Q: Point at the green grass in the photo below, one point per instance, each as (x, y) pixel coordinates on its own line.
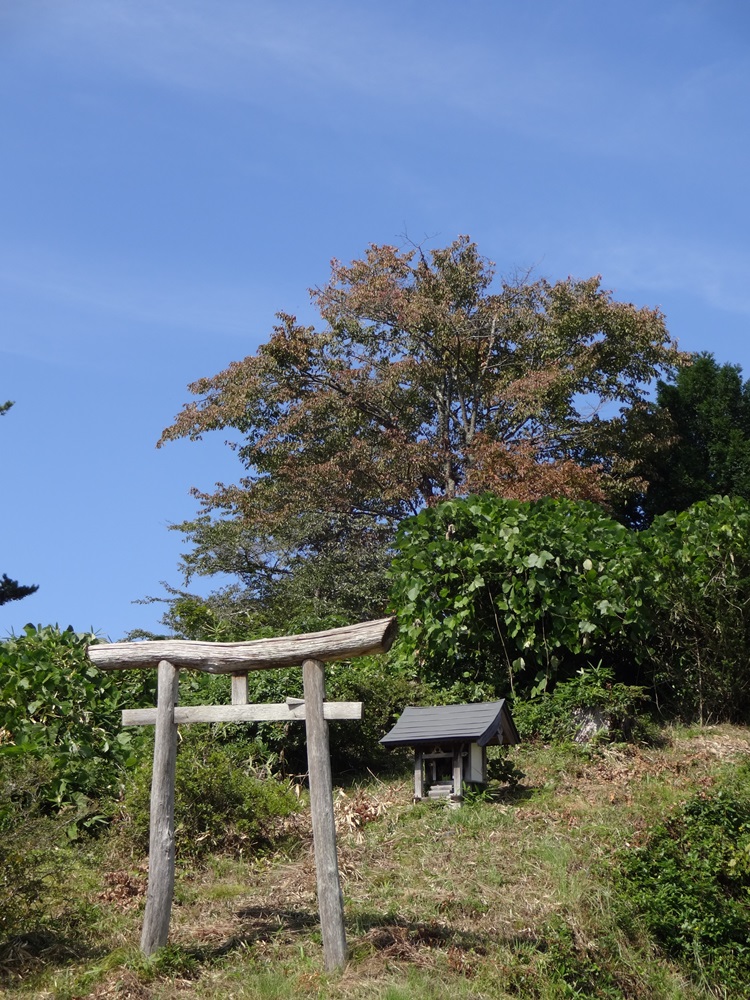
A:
(504, 898)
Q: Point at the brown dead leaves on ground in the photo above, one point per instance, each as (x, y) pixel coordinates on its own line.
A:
(616, 770)
(355, 810)
(124, 889)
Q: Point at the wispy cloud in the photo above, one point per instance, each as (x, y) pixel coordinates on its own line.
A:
(717, 274)
(115, 289)
(660, 265)
(343, 61)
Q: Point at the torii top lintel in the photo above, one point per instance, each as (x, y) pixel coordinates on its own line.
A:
(258, 654)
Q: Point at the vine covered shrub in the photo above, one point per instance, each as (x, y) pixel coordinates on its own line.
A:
(56, 704)
(500, 596)
(690, 885)
(697, 616)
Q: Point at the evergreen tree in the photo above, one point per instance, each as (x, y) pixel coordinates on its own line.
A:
(708, 411)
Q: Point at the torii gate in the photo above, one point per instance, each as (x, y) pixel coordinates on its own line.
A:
(310, 651)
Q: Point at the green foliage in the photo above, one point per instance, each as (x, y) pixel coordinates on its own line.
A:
(512, 595)
(229, 615)
(697, 615)
(501, 597)
(426, 379)
(373, 680)
(557, 716)
(29, 871)
(384, 692)
(708, 407)
(221, 802)
(354, 744)
(501, 768)
(690, 884)
(345, 580)
(56, 704)
(574, 971)
(170, 962)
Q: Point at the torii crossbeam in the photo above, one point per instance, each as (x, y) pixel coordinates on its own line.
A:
(310, 651)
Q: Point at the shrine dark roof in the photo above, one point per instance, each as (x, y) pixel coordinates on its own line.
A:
(485, 723)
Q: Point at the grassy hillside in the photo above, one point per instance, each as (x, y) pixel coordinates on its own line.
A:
(510, 896)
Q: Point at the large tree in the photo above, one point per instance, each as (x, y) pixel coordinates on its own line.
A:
(427, 379)
(12, 590)
(706, 410)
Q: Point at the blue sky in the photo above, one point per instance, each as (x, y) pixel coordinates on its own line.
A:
(176, 172)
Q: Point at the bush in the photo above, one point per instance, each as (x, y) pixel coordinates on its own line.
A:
(221, 804)
(29, 873)
(558, 716)
(507, 596)
(498, 597)
(690, 885)
(354, 744)
(384, 693)
(697, 615)
(57, 705)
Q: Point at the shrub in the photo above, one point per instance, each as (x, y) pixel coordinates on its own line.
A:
(512, 595)
(501, 597)
(221, 804)
(690, 885)
(384, 693)
(697, 615)
(57, 705)
(29, 873)
(558, 716)
(383, 690)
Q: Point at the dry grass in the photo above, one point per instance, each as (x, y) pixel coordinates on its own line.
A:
(440, 903)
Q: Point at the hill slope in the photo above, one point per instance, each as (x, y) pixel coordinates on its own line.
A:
(509, 896)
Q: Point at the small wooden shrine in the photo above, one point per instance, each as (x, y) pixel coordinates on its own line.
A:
(450, 745)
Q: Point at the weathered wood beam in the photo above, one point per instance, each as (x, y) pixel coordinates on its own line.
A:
(239, 689)
(259, 654)
(458, 775)
(418, 775)
(243, 713)
(161, 853)
(330, 900)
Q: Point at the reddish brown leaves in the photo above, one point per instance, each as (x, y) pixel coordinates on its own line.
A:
(426, 381)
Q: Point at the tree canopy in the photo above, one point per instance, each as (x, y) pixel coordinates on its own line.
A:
(428, 379)
(707, 411)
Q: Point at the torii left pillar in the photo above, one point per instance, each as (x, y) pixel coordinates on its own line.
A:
(161, 850)
(311, 651)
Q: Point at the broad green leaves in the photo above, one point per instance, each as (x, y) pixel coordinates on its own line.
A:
(518, 595)
(699, 607)
(512, 590)
(54, 703)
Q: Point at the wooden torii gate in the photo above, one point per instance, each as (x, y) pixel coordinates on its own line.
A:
(311, 651)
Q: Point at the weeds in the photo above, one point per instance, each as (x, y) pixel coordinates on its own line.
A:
(689, 882)
(504, 898)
